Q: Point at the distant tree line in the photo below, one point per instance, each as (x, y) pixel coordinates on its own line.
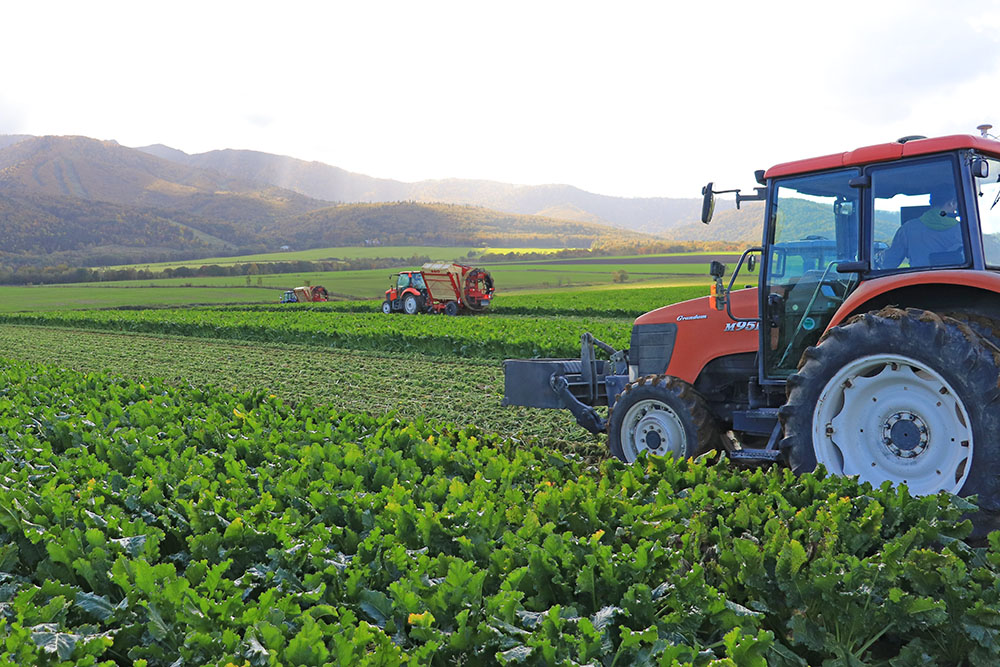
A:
(605, 248)
(64, 273)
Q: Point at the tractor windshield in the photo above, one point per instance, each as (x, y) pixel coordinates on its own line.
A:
(988, 194)
(814, 225)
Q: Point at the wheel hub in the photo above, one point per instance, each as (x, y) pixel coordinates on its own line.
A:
(905, 435)
(653, 439)
(652, 426)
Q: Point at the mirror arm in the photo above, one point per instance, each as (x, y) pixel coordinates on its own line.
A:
(760, 194)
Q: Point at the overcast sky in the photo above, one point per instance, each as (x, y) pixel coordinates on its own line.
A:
(620, 98)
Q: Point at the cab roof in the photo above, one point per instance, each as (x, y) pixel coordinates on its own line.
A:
(886, 152)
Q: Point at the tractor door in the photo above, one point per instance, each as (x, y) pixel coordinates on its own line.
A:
(813, 224)
(918, 221)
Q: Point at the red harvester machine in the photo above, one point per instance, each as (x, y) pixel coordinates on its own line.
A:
(314, 293)
(439, 287)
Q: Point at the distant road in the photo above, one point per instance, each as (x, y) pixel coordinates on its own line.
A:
(652, 259)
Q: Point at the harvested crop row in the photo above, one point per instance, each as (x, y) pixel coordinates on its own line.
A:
(145, 522)
(487, 338)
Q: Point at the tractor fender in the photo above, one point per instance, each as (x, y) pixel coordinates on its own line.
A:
(949, 289)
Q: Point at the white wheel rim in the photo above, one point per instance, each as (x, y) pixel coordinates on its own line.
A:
(887, 417)
(410, 305)
(386, 308)
(652, 426)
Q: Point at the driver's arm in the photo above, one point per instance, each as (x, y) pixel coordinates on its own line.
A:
(897, 251)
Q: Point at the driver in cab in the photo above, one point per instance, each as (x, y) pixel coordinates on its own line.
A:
(933, 238)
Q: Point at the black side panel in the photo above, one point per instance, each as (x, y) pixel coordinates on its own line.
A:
(651, 347)
(725, 383)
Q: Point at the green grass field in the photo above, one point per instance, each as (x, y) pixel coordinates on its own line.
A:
(369, 284)
(110, 295)
(436, 253)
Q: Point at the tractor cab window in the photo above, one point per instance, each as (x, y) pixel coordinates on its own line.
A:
(814, 226)
(916, 216)
(404, 281)
(418, 281)
(988, 195)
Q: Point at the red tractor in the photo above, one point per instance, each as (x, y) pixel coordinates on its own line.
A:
(871, 343)
(442, 287)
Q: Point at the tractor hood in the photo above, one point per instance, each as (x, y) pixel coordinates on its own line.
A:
(680, 339)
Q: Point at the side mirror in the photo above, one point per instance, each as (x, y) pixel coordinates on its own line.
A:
(980, 168)
(707, 203)
(752, 263)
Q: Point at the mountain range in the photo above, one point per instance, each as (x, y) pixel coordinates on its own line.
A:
(82, 200)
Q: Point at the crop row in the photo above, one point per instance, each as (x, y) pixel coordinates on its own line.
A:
(462, 391)
(626, 303)
(147, 524)
(490, 338)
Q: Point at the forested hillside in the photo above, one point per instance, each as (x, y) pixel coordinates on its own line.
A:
(105, 171)
(653, 215)
(407, 223)
(84, 202)
(744, 225)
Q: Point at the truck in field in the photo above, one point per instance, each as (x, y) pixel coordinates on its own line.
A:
(439, 287)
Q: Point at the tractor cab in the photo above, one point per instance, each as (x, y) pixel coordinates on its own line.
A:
(405, 280)
(899, 211)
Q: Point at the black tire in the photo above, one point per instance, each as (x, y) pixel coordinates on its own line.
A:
(924, 387)
(412, 305)
(667, 413)
(387, 307)
(451, 308)
(986, 325)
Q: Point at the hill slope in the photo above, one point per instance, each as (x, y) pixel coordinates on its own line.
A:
(407, 223)
(106, 171)
(652, 215)
(745, 225)
(80, 201)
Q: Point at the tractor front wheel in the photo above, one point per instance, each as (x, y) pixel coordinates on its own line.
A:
(904, 396)
(412, 305)
(662, 415)
(386, 307)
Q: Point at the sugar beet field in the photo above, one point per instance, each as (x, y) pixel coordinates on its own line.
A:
(316, 486)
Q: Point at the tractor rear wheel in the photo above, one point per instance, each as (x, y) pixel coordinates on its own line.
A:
(904, 396)
(387, 307)
(662, 415)
(412, 305)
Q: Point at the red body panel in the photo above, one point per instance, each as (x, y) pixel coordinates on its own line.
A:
(884, 153)
(704, 333)
(868, 290)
